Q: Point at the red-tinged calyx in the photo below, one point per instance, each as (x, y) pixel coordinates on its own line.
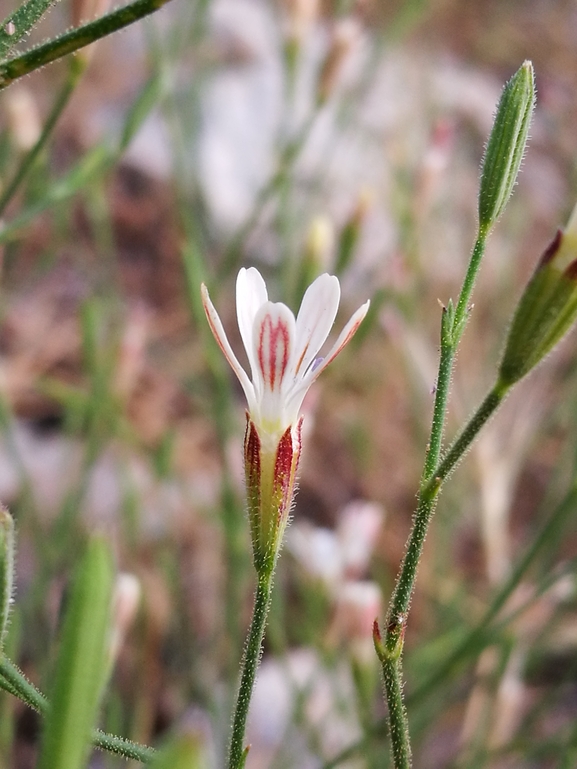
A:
(547, 308)
(378, 641)
(270, 473)
(551, 250)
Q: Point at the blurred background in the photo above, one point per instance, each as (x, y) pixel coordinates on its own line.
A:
(299, 137)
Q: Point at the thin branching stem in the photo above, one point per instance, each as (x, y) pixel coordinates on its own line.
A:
(18, 66)
(435, 471)
(14, 681)
(27, 162)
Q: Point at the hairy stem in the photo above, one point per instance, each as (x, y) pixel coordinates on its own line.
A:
(405, 585)
(14, 681)
(398, 724)
(18, 66)
(237, 754)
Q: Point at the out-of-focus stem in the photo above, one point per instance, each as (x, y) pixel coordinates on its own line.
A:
(74, 73)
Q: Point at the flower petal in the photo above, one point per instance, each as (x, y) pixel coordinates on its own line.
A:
(315, 320)
(273, 335)
(217, 329)
(297, 395)
(251, 294)
(344, 338)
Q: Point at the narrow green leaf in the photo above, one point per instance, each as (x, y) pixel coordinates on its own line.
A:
(145, 102)
(19, 23)
(6, 570)
(81, 664)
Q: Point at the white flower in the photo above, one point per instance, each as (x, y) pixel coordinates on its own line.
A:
(282, 350)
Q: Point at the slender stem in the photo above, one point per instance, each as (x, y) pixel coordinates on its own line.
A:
(18, 682)
(95, 163)
(18, 66)
(462, 309)
(19, 23)
(398, 724)
(405, 585)
(74, 73)
(482, 629)
(452, 326)
(481, 634)
(460, 445)
(425, 507)
(250, 662)
(15, 682)
(441, 395)
(120, 746)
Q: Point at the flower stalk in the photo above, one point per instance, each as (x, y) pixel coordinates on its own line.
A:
(238, 752)
(501, 165)
(283, 356)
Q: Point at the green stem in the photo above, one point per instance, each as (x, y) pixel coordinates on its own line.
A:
(441, 395)
(15, 682)
(482, 630)
(398, 724)
(74, 73)
(250, 662)
(18, 66)
(462, 309)
(479, 636)
(405, 585)
(460, 445)
(19, 23)
(434, 474)
(425, 507)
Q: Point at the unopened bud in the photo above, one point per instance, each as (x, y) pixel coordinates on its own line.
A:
(506, 145)
(83, 11)
(87, 10)
(345, 35)
(318, 252)
(357, 603)
(301, 15)
(23, 117)
(320, 242)
(125, 600)
(6, 570)
(351, 231)
(547, 309)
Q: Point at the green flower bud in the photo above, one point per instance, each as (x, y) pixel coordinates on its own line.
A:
(6, 569)
(506, 145)
(547, 309)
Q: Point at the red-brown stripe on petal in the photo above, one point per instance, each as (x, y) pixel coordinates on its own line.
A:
(302, 357)
(273, 350)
